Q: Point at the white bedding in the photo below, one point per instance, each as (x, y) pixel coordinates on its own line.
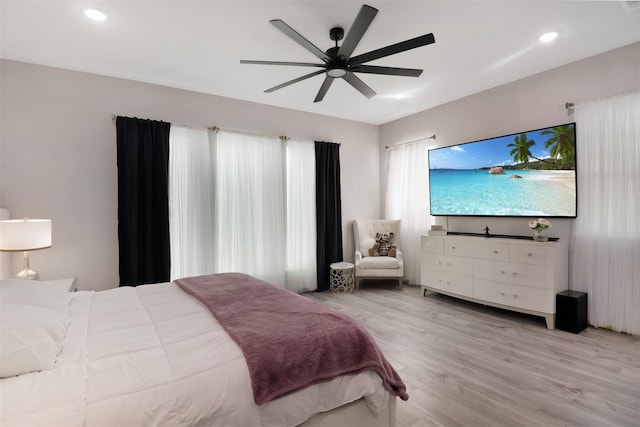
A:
(154, 356)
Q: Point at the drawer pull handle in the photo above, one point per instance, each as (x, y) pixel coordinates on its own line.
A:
(530, 255)
(496, 252)
(502, 293)
(453, 247)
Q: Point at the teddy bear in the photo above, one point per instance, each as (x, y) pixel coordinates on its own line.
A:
(384, 245)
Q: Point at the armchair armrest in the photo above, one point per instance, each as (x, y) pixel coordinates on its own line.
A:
(399, 256)
(358, 257)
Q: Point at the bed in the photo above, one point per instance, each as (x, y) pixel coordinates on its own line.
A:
(158, 355)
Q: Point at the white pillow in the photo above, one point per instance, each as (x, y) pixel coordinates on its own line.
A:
(35, 293)
(30, 338)
(366, 244)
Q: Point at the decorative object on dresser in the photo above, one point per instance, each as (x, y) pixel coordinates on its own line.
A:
(437, 230)
(540, 228)
(512, 274)
(376, 267)
(24, 235)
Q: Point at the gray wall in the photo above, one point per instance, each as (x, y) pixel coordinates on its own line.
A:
(58, 153)
(530, 103)
(58, 157)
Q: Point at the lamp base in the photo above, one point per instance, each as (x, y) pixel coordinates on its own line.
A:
(28, 275)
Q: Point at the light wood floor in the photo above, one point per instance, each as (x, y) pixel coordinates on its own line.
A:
(469, 365)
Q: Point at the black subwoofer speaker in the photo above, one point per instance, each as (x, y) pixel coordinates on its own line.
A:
(571, 311)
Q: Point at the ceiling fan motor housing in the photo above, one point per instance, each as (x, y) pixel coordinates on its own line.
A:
(336, 67)
(336, 33)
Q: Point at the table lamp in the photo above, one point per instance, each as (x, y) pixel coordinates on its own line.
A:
(24, 235)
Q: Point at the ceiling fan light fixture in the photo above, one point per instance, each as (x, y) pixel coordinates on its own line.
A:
(336, 72)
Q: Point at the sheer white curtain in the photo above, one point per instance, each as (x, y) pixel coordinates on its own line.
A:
(606, 246)
(190, 202)
(407, 198)
(249, 200)
(242, 203)
(301, 216)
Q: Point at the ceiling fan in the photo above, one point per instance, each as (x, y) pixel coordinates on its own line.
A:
(337, 61)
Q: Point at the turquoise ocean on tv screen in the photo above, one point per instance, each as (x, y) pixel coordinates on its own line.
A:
(476, 192)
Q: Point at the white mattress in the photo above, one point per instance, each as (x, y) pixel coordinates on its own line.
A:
(154, 356)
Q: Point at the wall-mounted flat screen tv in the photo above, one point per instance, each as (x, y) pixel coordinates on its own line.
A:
(528, 174)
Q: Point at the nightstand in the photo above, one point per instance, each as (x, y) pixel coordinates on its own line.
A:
(69, 285)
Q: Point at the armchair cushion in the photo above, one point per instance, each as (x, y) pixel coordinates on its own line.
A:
(379, 262)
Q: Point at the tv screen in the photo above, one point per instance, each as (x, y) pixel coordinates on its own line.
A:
(529, 174)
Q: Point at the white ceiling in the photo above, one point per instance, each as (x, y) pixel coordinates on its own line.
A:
(197, 45)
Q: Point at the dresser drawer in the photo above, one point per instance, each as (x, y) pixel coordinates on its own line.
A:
(536, 299)
(538, 253)
(432, 244)
(477, 248)
(539, 276)
(449, 264)
(461, 285)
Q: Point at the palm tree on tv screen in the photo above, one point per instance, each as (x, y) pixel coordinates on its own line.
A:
(563, 144)
(520, 151)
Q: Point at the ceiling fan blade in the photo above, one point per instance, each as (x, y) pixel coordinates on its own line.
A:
(361, 86)
(295, 36)
(393, 49)
(290, 82)
(357, 30)
(297, 64)
(326, 84)
(391, 71)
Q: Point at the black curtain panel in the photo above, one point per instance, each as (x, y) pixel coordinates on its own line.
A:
(328, 210)
(143, 201)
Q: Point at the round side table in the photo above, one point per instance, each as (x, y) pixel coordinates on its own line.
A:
(342, 278)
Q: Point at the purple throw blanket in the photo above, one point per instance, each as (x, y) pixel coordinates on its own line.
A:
(288, 341)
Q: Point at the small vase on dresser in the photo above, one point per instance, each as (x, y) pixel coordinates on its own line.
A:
(540, 235)
(540, 228)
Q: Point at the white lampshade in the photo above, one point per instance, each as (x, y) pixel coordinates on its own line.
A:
(25, 234)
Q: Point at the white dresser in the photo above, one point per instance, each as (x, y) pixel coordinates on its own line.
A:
(514, 274)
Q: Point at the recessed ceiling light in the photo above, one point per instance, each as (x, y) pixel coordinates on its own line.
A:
(96, 15)
(547, 37)
(400, 96)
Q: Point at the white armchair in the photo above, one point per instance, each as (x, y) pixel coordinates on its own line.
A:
(376, 267)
